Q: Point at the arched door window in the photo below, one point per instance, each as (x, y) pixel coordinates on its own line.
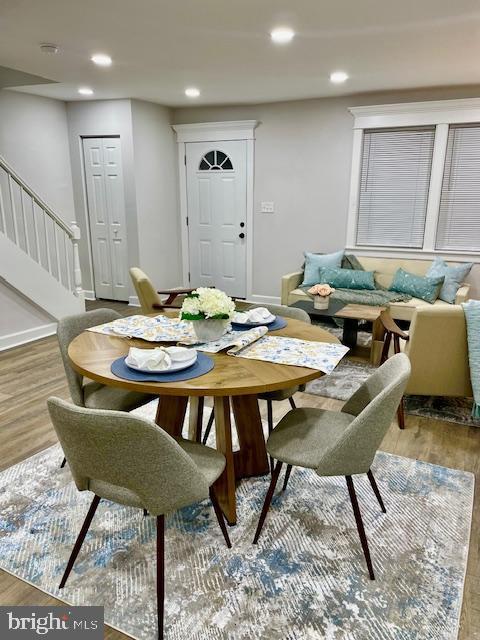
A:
(215, 161)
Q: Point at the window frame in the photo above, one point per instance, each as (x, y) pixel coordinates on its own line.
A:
(440, 114)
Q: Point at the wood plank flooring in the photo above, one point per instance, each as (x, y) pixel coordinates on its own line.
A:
(31, 373)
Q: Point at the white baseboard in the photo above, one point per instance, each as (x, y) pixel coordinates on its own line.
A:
(265, 299)
(133, 301)
(89, 295)
(28, 335)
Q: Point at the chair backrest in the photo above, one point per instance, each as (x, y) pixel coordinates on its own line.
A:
(282, 310)
(147, 296)
(438, 352)
(374, 405)
(69, 328)
(117, 456)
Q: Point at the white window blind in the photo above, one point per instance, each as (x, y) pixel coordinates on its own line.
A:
(459, 216)
(394, 185)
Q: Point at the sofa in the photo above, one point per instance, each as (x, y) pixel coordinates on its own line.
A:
(385, 269)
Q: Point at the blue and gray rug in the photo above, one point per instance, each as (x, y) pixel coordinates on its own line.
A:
(305, 580)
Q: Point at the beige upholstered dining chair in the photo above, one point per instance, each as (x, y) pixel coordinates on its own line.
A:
(148, 297)
(91, 394)
(281, 394)
(340, 443)
(133, 462)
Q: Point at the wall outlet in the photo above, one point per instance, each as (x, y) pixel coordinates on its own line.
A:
(266, 207)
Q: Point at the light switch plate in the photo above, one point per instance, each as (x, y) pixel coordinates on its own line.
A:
(266, 207)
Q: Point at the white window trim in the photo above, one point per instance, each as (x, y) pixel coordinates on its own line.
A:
(441, 114)
(215, 132)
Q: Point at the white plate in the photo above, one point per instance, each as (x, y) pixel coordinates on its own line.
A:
(269, 320)
(175, 366)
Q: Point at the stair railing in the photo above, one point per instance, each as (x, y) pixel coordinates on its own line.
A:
(36, 229)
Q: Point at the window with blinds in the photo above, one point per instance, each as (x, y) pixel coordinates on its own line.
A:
(459, 216)
(394, 186)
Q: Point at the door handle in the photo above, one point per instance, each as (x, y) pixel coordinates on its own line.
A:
(241, 235)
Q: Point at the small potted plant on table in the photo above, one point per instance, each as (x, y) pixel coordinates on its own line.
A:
(321, 295)
(210, 311)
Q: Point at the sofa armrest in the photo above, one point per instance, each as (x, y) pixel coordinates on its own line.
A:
(289, 283)
(463, 294)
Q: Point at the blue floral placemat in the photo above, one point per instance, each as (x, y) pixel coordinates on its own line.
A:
(323, 356)
(203, 365)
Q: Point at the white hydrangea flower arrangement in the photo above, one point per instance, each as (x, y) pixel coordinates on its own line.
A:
(207, 304)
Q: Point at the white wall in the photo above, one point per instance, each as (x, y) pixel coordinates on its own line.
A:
(34, 141)
(20, 320)
(155, 161)
(102, 118)
(302, 163)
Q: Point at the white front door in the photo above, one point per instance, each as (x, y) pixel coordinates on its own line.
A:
(217, 214)
(106, 210)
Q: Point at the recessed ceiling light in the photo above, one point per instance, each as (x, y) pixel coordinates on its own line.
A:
(101, 59)
(85, 91)
(337, 77)
(192, 92)
(48, 47)
(282, 35)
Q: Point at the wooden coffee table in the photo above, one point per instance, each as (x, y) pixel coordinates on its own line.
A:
(351, 314)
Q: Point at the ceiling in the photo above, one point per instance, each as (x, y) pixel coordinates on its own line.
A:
(160, 47)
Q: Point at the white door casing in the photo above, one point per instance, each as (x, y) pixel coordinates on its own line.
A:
(106, 212)
(216, 204)
(216, 133)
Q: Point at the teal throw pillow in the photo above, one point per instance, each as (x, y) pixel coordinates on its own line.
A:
(313, 263)
(454, 277)
(347, 278)
(417, 286)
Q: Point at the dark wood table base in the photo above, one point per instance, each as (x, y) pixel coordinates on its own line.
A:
(251, 458)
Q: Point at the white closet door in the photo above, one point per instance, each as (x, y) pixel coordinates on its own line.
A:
(217, 211)
(106, 209)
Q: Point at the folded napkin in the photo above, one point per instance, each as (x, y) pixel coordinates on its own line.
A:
(158, 359)
(252, 316)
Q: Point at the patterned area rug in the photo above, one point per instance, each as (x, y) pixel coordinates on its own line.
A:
(349, 375)
(306, 579)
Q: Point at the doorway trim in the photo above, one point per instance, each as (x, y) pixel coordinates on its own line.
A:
(216, 132)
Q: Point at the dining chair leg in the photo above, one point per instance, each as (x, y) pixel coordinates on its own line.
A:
(64, 462)
(270, 428)
(376, 490)
(292, 403)
(287, 477)
(80, 539)
(209, 427)
(220, 518)
(160, 573)
(401, 415)
(268, 500)
(360, 529)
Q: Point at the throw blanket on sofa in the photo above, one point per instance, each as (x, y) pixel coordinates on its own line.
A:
(472, 316)
(371, 297)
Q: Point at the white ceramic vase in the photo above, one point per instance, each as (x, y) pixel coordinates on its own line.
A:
(321, 302)
(210, 330)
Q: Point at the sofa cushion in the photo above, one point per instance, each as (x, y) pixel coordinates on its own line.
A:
(417, 286)
(313, 262)
(454, 277)
(347, 278)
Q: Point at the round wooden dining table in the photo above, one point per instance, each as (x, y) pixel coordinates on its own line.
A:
(234, 383)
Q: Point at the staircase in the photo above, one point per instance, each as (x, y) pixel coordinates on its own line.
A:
(38, 250)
